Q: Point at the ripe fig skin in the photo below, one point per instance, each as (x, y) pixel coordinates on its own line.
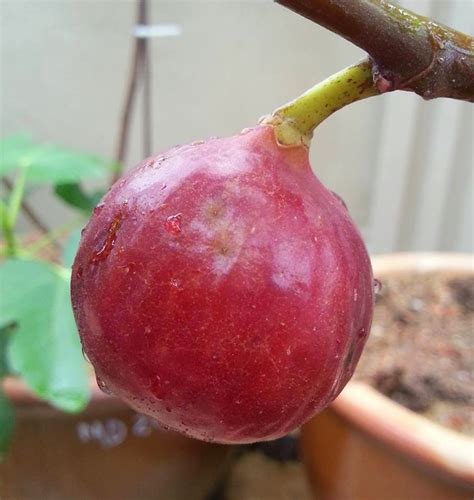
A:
(223, 290)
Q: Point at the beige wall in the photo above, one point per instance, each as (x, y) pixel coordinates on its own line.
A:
(403, 166)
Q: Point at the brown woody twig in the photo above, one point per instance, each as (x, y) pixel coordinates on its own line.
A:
(408, 51)
(138, 61)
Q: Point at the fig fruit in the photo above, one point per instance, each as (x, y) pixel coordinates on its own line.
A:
(223, 290)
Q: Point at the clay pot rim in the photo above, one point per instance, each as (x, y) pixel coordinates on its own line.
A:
(432, 445)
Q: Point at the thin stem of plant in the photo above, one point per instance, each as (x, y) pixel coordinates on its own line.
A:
(133, 80)
(8, 232)
(9, 212)
(295, 122)
(27, 210)
(146, 77)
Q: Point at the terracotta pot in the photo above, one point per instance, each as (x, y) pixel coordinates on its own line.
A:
(106, 452)
(366, 447)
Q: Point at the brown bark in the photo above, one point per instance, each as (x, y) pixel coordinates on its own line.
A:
(408, 51)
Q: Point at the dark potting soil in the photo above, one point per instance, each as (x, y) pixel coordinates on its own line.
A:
(420, 352)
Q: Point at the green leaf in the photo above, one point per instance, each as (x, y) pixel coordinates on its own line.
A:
(70, 248)
(48, 163)
(5, 334)
(6, 411)
(7, 420)
(44, 349)
(74, 195)
(59, 166)
(13, 150)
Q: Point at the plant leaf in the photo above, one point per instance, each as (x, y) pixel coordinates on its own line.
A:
(5, 335)
(44, 349)
(74, 195)
(7, 420)
(48, 163)
(70, 248)
(57, 165)
(13, 150)
(6, 411)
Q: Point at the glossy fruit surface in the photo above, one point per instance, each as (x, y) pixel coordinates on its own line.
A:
(222, 289)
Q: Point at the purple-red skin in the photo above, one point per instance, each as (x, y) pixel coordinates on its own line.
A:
(223, 290)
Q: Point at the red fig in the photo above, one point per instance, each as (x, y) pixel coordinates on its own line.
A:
(222, 289)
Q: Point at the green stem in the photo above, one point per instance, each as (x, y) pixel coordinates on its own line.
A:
(9, 214)
(8, 233)
(16, 196)
(294, 122)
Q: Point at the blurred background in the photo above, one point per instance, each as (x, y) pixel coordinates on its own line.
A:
(403, 166)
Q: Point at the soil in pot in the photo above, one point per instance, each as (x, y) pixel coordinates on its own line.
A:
(421, 346)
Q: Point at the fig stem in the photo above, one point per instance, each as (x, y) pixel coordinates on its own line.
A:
(409, 52)
(295, 122)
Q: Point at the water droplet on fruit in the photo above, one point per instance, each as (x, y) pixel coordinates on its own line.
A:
(130, 268)
(98, 208)
(107, 246)
(377, 287)
(288, 351)
(361, 333)
(338, 341)
(355, 295)
(85, 355)
(83, 230)
(158, 161)
(102, 386)
(175, 283)
(245, 131)
(79, 273)
(173, 224)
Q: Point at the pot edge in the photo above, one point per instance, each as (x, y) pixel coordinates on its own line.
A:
(433, 445)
